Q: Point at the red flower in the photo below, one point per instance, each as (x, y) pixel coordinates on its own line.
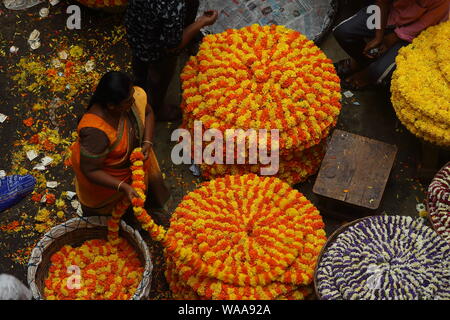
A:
(28, 122)
(50, 198)
(34, 139)
(36, 197)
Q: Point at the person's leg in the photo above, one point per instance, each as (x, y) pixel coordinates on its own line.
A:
(377, 72)
(350, 35)
(160, 74)
(140, 73)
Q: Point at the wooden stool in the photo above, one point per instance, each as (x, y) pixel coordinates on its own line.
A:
(353, 175)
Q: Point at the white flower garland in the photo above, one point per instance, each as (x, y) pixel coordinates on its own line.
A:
(386, 258)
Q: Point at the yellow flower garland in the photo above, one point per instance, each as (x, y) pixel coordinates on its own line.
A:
(243, 237)
(267, 77)
(420, 85)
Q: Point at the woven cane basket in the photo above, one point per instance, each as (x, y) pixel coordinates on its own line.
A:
(74, 232)
(331, 239)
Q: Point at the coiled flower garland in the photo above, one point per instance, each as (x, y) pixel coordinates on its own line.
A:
(420, 90)
(267, 77)
(439, 202)
(243, 237)
(385, 257)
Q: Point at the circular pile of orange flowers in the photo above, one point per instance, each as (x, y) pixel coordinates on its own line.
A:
(243, 237)
(267, 77)
(106, 272)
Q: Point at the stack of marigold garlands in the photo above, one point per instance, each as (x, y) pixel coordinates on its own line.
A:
(243, 237)
(237, 237)
(267, 77)
(420, 85)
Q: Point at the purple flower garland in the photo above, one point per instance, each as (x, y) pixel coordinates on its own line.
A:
(386, 258)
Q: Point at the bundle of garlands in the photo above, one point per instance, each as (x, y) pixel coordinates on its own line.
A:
(420, 85)
(266, 78)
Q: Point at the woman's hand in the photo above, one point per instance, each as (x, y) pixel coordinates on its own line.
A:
(129, 191)
(372, 44)
(208, 18)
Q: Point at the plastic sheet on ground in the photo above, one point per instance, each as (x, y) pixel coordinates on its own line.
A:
(20, 4)
(310, 17)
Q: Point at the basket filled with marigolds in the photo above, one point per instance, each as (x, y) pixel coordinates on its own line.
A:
(420, 85)
(263, 78)
(78, 261)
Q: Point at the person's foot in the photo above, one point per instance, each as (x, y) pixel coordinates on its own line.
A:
(168, 113)
(357, 81)
(346, 67)
(161, 217)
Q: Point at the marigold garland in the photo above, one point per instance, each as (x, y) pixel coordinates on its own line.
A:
(267, 77)
(243, 237)
(420, 90)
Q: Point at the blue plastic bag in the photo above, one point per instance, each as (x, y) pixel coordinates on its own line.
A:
(14, 188)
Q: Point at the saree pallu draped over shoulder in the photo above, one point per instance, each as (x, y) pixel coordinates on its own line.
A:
(96, 198)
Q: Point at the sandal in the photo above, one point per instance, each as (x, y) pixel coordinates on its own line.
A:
(344, 68)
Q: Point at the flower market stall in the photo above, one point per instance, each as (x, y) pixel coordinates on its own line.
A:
(420, 91)
(384, 258)
(438, 202)
(267, 77)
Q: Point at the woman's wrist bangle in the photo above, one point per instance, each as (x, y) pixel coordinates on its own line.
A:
(118, 187)
(148, 141)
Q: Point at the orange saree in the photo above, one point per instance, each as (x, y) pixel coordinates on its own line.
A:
(99, 199)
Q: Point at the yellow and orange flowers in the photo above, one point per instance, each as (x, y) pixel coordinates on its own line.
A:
(420, 85)
(243, 237)
(267, 77)
(157, 232)
(106, 272)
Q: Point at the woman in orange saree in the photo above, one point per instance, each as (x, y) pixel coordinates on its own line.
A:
(117, 120)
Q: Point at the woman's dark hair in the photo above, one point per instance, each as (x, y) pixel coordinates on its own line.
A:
(113, 88)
